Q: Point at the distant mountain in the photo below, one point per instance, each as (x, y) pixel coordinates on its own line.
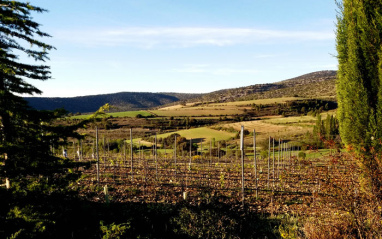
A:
(320, 84)
(123, 100)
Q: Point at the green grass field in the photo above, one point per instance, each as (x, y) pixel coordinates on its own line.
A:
(204, 110)
(119, 114)
(204, 133)
(200, 111)
(290, 120)
(216, 109)
(257, 102)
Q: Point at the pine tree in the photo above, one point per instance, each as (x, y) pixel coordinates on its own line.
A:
(26, 135)
(38, 180)
(17, 30)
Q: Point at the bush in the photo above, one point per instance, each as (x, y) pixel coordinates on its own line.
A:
(301, 155)
(205, 224)
(114, 230)
(264, 154)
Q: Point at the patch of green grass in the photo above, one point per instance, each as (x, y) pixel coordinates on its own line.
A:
(137, 141)
(130, 113)
(202, 133)
(317, 153)
(119, 114)
(290, 120)
(202, 111)
(258, 102)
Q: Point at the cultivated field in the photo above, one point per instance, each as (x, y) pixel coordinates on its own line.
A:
(272, 176)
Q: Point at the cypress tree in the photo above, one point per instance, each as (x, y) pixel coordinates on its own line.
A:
(359, 89)
(358, 81)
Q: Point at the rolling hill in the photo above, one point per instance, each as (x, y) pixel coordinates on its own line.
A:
(124, 101)
(319, 84)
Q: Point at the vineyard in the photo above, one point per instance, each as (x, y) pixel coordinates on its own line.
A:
(282, 180)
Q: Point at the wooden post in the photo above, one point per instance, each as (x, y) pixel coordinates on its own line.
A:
(269, 160)
(156, 157)
(255, 161)
(242, 164)
(284, 155)
(93, 150)
(278, 164)
(131, 154)
(190, 154)
(201, 148)
(139, 151)
(288, 154)
(124, 154)
(97, 153)
(273, 168)
(175, 154)
(210, 153)
(218, 152)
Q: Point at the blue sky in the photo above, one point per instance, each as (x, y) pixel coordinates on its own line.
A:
(190, 46)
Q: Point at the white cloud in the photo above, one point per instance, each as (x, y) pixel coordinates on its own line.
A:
(206, 69)
(148, 37)
(262, 56)
(193, 68)
(325, 66)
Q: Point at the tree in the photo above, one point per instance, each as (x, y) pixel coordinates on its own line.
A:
(318, 132)
(359, 93)
(26, 135)
(359, 89)
(19, 124)
(37, 177)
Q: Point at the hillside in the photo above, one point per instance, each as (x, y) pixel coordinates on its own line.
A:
(319, 84)
(315, 85)
(123, 100)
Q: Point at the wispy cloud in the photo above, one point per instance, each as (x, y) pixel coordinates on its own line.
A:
(207, 69)
(193, 68)
(148, 37)
(262, 56)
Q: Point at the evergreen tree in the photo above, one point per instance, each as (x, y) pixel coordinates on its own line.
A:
(359, 89)
(359, 32)
(26, 135)
(38, 179)
(318, 130)
(22, 129)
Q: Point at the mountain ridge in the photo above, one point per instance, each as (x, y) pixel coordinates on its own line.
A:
(315, 84)
(305, 85)
(122, 101)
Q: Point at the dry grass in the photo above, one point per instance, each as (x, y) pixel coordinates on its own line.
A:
(227, 108)
(257, 102)
(264, 129)
(201, 111)
(203, 133)
(173, 107)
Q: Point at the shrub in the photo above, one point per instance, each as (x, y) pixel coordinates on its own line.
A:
(205, 224)
(301, 155)
(114, 230)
